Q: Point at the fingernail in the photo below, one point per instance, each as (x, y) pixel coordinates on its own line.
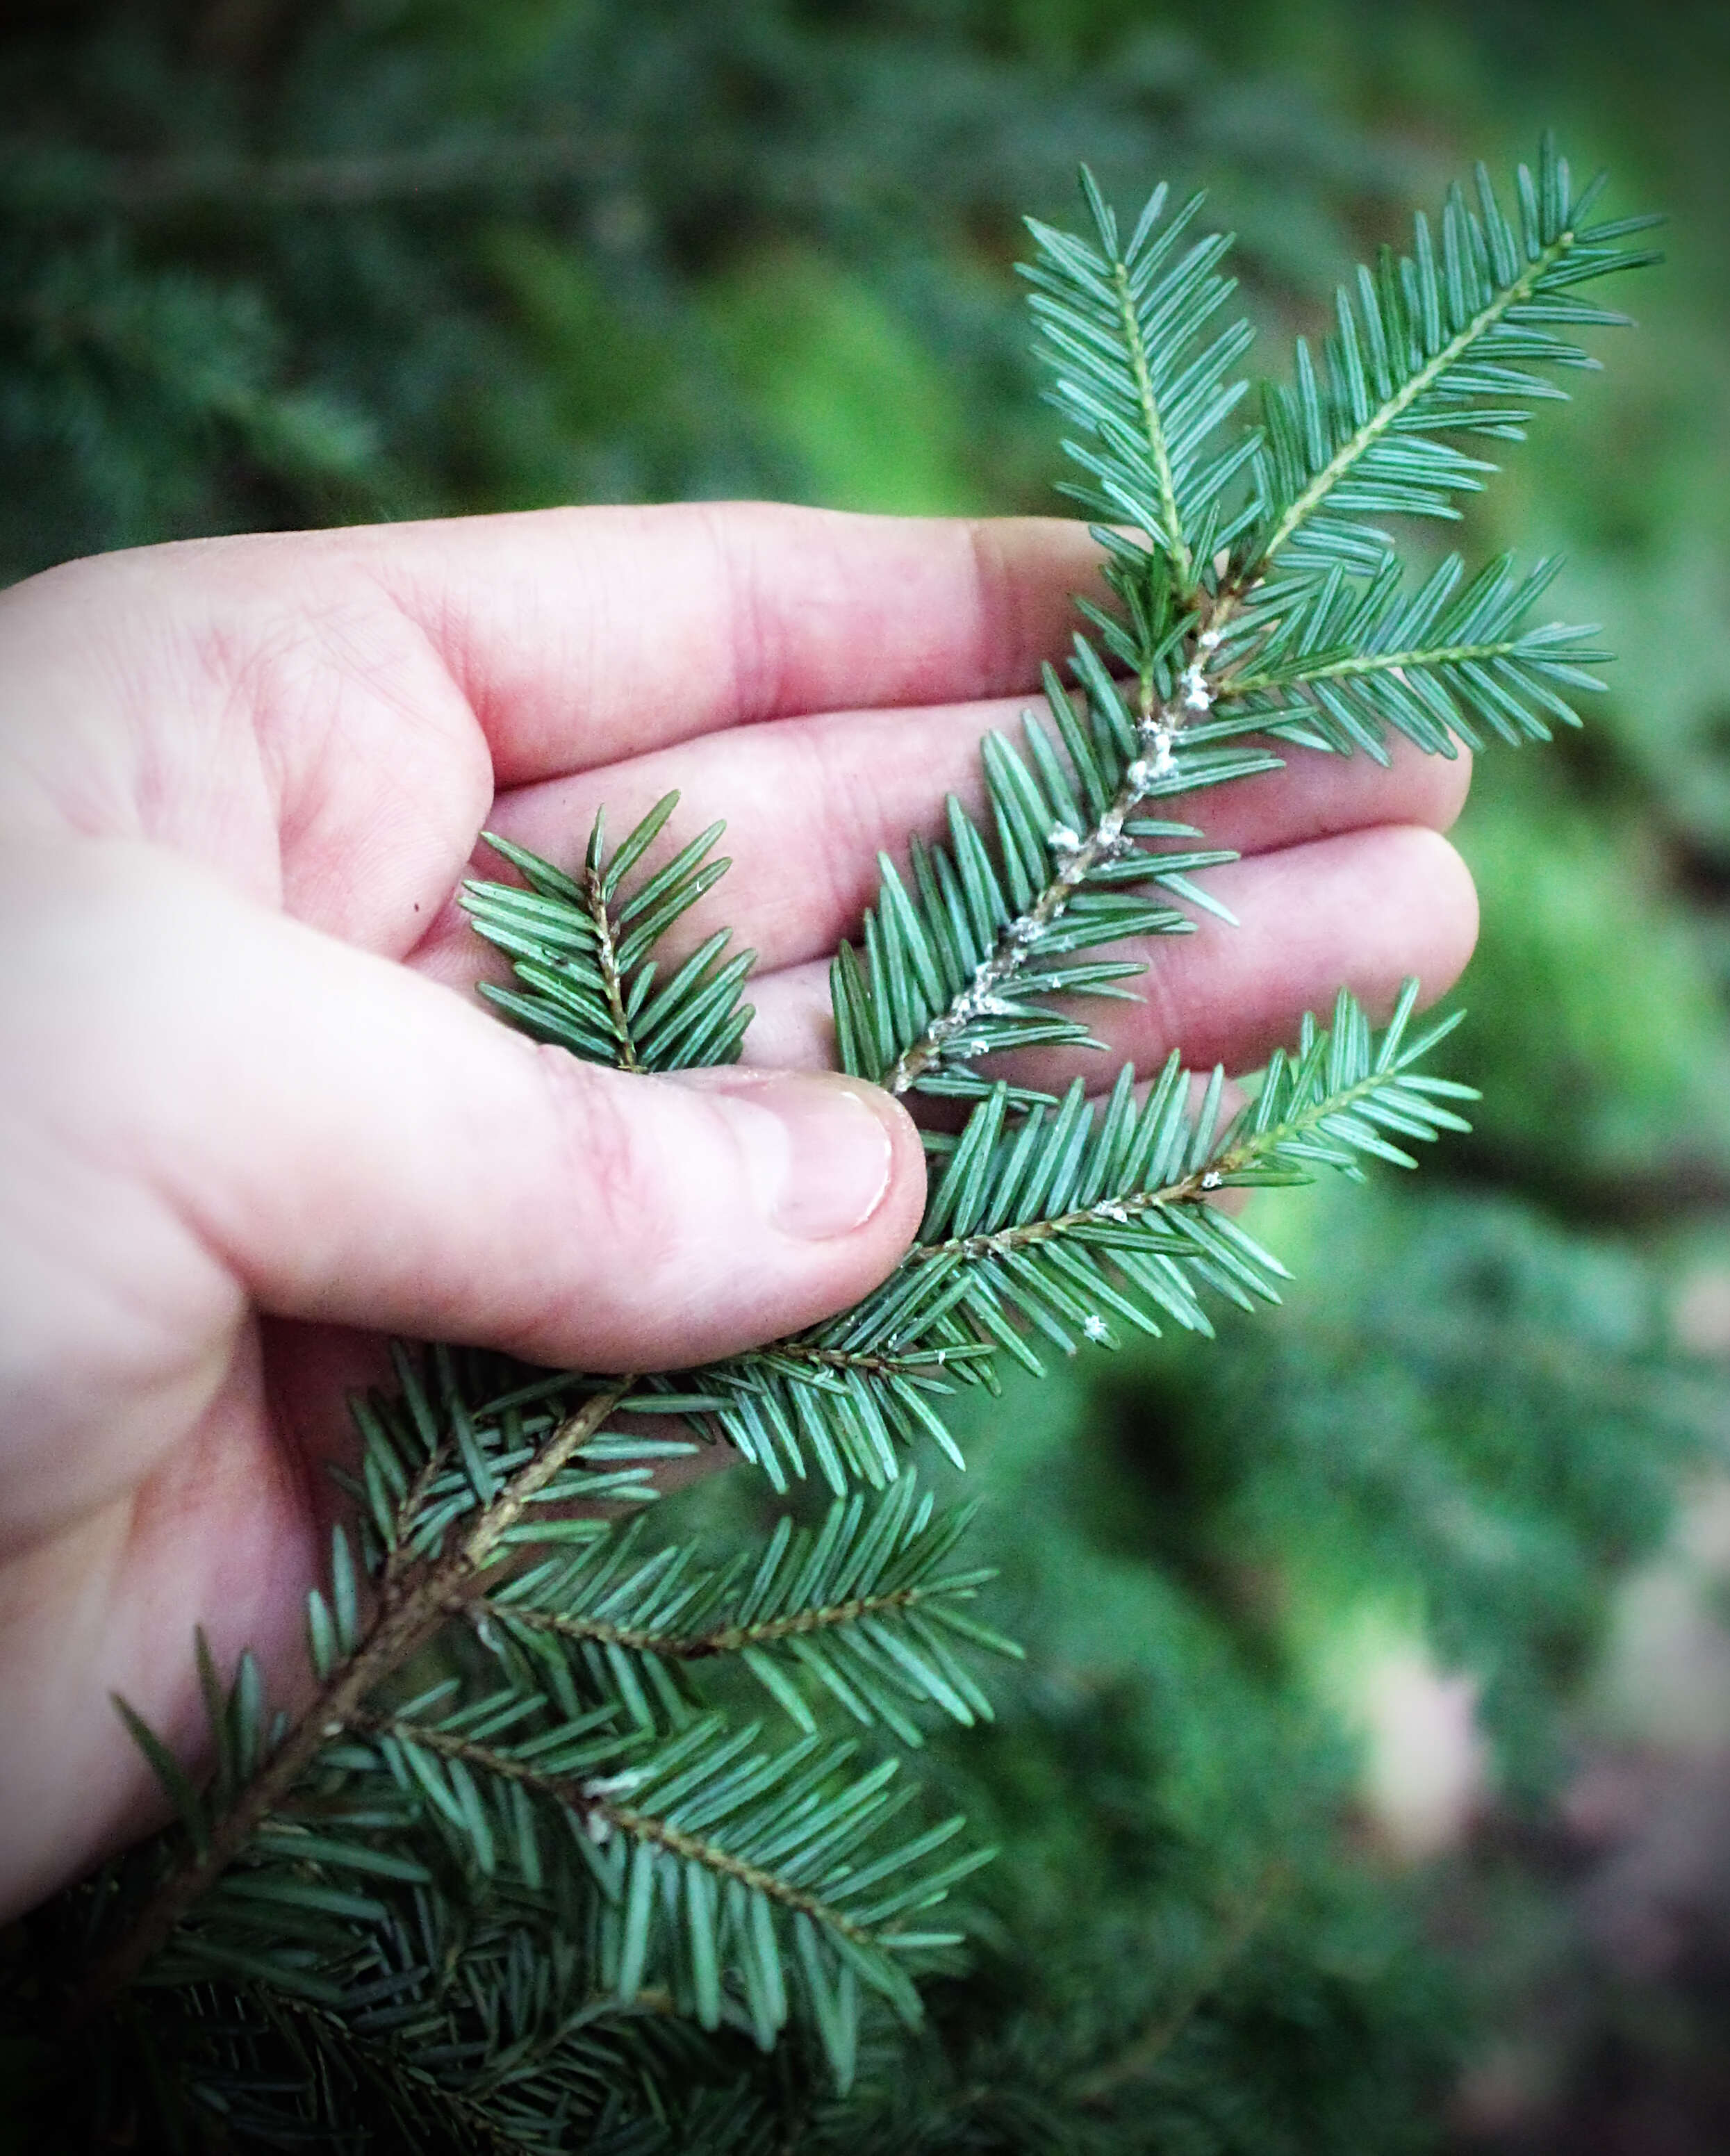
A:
(819, 1151)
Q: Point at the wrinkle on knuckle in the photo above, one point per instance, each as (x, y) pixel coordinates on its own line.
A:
(624, 1214)
(999, 653)
(841, 815)
(856, 810)
(1159, 1018)
(756, 658)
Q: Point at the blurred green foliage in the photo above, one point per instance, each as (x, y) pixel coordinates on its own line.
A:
(1600, 1041)
(273, 262)
(840, 386)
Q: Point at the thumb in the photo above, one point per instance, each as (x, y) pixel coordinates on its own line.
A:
(360, 1145)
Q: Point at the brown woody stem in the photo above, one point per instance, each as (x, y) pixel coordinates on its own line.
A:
(640, 1826)
(410, 1609)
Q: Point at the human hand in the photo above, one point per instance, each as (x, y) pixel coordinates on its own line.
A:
(248, 1128)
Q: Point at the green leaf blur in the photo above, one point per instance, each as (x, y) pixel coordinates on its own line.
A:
(270, 263)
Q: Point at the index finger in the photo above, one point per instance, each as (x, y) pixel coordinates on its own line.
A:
(579, 636)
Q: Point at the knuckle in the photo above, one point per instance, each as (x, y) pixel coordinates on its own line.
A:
(627, 1208)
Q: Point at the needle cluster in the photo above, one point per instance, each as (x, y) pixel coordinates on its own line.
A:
(575, 1808)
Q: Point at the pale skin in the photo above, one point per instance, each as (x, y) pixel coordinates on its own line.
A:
(253, 1117)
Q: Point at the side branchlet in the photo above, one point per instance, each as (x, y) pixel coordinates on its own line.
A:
(514, 1840)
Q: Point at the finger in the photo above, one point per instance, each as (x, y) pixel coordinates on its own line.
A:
(360, 1146)
(580, 635)
(1362, 910)
(809, 804)
(218, 1537)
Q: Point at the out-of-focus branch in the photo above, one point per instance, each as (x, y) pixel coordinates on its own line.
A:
(332, 183)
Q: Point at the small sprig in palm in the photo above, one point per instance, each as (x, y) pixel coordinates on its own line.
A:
(484, 1899)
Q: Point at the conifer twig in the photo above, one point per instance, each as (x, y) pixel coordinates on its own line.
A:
(601, 1813)
(697, 1647)
(409, 1611)
(1386, 419)
(594, 890)
(578, 1840)
(1194, 1188)
(1152, 769)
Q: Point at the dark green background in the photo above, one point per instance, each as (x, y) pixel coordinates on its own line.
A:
(279, 262)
